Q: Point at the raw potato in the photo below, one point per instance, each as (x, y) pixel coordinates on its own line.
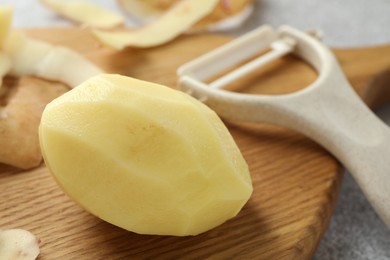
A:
(18, 244)
(167, 27)
(144, 157)
(85, 13)
(21, 107)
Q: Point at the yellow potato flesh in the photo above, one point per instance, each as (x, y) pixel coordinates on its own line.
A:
(144, 157)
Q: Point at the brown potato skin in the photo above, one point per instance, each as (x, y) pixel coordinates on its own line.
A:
(21, 105)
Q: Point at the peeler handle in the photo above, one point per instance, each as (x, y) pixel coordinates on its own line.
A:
(334, 116)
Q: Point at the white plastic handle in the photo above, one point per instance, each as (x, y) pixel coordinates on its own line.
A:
(328, 111)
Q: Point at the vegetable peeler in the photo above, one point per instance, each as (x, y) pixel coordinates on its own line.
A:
(327, 111)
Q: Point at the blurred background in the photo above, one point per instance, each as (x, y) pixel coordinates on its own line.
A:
(355, 231)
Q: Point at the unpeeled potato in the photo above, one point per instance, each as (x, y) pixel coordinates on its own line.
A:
(144, 157)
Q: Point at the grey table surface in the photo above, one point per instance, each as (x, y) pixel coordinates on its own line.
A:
(355, 231)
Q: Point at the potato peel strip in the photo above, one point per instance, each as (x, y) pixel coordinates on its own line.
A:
(177, 20)
(144, 10)
(85, 13)
(227, 14)
(18, 244)
(32, 57)
(22, 56)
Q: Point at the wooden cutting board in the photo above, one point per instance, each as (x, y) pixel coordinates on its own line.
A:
(296, 182)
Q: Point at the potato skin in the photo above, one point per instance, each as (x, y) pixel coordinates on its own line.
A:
(144, 157)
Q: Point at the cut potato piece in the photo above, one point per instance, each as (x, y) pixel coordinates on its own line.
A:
(177, 20)
(85, 13)
(144, 157)
(32, 57)
(228, 14)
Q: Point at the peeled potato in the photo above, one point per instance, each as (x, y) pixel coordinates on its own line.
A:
(144, 157)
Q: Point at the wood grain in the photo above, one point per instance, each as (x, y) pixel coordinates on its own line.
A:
(296, 182)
